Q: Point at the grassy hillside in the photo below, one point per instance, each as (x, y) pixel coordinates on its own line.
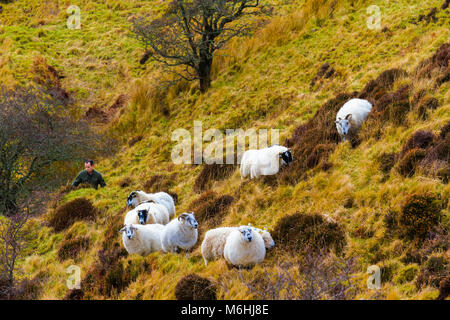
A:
(263, 81)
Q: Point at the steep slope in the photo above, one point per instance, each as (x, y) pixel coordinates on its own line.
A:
(259, 82)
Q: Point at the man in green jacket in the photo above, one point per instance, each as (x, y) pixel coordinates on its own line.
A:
(89, 175)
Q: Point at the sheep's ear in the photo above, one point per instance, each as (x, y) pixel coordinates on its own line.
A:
(348, 117)
(182, 216)
(123, 229)
(337, 122)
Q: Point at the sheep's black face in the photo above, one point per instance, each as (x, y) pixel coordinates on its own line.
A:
(286, 157)
(246, 233)
(143, 216)
(131, 198)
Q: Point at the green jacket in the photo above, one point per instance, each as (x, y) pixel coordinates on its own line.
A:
(94, 179)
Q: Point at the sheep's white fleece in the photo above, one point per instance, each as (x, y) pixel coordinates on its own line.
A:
(157, 213)
(158, 197)
(239, 252)
(359, 109)
(214, 242)
(147, 239)
(262, 162)
(177, 234)
(132, 216)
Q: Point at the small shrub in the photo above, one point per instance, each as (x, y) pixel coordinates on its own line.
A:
(70, 248)
(212, 172)
(407, 274)
(439, 62)
(295, 232)
(210, 208)
(433, 271)
(407, 165)
(419, 214)
(386, 162)
(79, 209)
(194, 287)
(107, 276)
(419, 140)
(444, 288)
(375, 89)
(74, 294)
(25, 289)
(444, 174)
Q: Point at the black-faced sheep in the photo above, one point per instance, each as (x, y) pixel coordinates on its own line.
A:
(264, 162)
(137, 197)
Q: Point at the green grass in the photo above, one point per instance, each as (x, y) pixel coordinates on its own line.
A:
(259, 82)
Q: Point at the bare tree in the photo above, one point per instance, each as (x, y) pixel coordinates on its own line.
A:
(190, 31)
(36, 132)
(12, 240)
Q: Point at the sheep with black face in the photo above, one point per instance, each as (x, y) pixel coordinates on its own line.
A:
(150, 212)
(137, 197)
(264, 162)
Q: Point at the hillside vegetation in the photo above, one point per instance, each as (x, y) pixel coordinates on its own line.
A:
(386, 191)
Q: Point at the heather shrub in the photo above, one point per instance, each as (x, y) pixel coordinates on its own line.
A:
(386, 162)
(435, 269)
(70, 248)
(419, 214)
(194, 287)
(298, 231)
(64, 216)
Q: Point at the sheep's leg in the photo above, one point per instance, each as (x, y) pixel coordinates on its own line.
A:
(206, 261)
(186, 254)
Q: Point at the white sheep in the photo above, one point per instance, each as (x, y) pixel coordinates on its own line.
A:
(180, 233)
(132, 217)
(351, 116)
(264, 162)
(214, 242)
(244, 247)
(150, 212)
(142, 239)
(137, 197)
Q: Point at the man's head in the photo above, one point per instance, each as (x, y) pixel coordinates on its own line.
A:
(89, 166)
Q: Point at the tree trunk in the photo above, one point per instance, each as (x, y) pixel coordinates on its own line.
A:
(204, 73)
